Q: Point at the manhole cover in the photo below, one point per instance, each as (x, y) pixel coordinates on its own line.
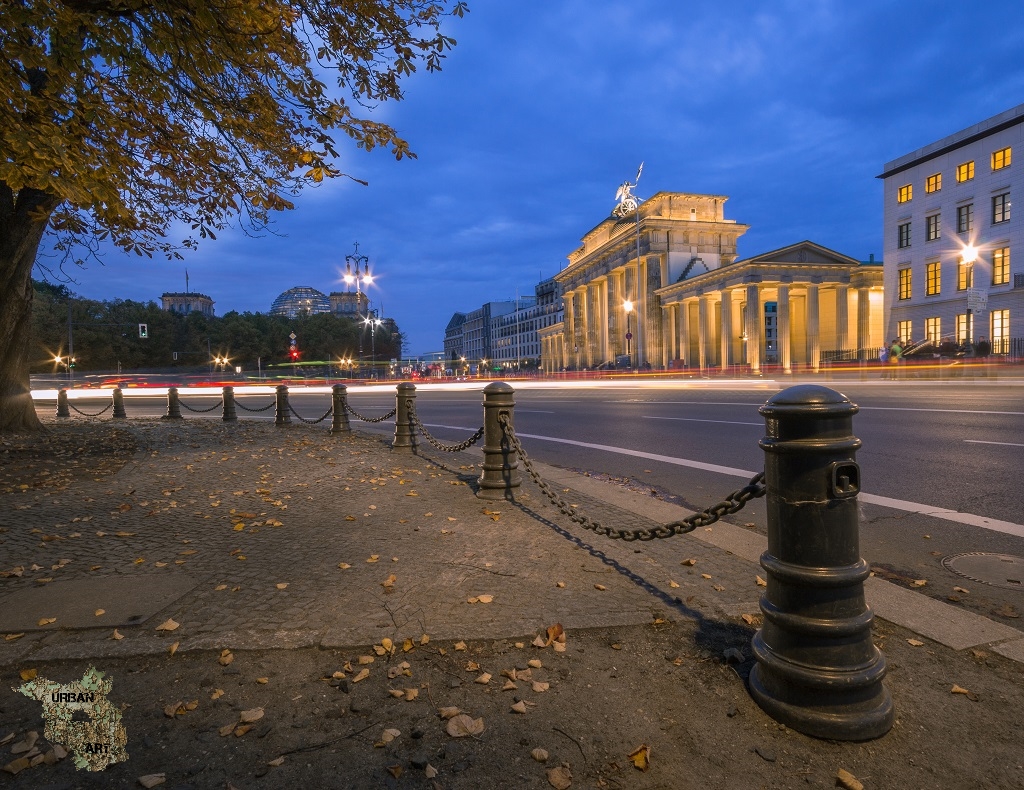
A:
(998, 570)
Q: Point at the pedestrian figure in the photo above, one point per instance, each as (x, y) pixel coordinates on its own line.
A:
(983, 348)
(883, 357)
(896, 356)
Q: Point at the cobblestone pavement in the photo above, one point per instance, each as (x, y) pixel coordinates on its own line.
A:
(286, 537)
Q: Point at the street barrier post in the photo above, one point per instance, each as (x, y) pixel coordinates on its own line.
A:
(500, 475)
(230, 413)
(173, 407)
(62, 403)
(817, 669)
(118, 413)
(282, 417)
(339, 400)
(405, 434)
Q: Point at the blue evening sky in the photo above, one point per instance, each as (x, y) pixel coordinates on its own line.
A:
(788, 107)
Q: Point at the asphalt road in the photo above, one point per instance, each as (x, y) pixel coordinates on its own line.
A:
(927, 448)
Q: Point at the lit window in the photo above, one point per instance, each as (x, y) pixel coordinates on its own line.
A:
(1000, 208)
(932, 227)
(964, 321)
(903, 235)
(904, 193)
(904, 289)
(1001, 158)
(931, 329)
(1000, 321)
(964, 276)
(932, 280)
(964, 172)
(903, 331)
(1001, 266)
(933, 183)
(965, 218)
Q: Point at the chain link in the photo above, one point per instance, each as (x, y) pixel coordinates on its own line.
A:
(185, 406)
(447, 448)
(733, 503)
(330, 411)
(100, 413)
(359, 416)
(270, 405)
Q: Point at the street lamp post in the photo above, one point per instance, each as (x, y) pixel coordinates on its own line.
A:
(353, 275)
(628, 307)
(373, 322)
(969, 256)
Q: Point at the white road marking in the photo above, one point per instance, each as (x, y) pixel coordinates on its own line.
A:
(694, 419)
(640, 401)
(533, 411)
(1005, 444)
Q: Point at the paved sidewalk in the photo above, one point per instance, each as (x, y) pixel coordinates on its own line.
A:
(306, 549)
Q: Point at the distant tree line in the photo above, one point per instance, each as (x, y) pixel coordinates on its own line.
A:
(106, 335)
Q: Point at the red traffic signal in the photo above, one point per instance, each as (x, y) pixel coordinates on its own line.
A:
(294, 354)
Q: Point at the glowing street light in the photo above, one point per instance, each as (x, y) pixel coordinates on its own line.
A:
(628, 307)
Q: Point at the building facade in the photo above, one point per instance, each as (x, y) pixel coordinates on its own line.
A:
(298, 300)
(661, 288)
(954, 252)
(515, 342)
(349, 304)
(186, 303)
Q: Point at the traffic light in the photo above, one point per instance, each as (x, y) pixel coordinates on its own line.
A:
(143, 331)
(294, 354)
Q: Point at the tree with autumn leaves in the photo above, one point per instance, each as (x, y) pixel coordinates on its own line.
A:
(127, 122)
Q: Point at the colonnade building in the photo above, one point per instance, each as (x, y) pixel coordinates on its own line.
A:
(661, 287)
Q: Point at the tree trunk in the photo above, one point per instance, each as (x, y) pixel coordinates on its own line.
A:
(23, 219)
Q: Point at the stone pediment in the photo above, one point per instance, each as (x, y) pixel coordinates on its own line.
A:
(804, 252)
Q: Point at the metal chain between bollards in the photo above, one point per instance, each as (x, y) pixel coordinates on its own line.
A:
(447, 448)
(359, 416)
(330, 411)
(185, 406)
(733, 503)
(100, 413)
(270, 405)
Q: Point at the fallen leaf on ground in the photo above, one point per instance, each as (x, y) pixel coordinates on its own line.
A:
(344, 565)
(173, 648)
(117, 635)
(167, 625)
(749, 619)
(472, 666)
(448, 712)
(461, 725)
(277, 763)
(373, 558)
(46, 620)
(560, 778)
(915, 642)
(484, 679)
(688, 562)
(217, 694)
(174, 709)
(672, 584)
(540, 686)
(848, 781)
(28, 674)
(362, 660)
(396, 693)
(395, 770)
(485, 598)
(363, 675)
(152, 780)
(282, 585)
(99, 612)
(600, 587)
(1006, 610)
(251, 715)
(430, 771)
(263, 681)
(460, 645)
(411, 694)
(389, 735)
(919, 583)
(540, 755)
(641, 757)
(969, 694)
(705, 575)
(226, 657)
(519, 707)
(535, 663)
(242, 730)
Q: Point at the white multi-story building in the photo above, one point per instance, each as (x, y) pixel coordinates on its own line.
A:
(954, 252)
(515, 343)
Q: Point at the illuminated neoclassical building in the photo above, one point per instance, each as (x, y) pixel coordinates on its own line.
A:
(661, 287)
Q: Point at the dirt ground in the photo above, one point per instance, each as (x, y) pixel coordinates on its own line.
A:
(675, 687)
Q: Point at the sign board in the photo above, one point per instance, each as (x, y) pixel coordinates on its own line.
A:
(977, 300)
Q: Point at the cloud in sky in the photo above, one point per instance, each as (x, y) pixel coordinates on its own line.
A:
(789, 108)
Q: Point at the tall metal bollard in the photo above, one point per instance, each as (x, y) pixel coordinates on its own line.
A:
(282, 415)
(405, 434)
(173, 407)
(500, 475)
(118, 412)
(339, 402)
(230, 414)
(62, 403)
(817, 669)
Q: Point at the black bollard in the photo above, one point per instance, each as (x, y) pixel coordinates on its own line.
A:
(118, 413)
(339, 401)
(405, 434)
(173, 407)
(500, 473)
(62, 403)
(817, 669)
(230, 414)
(282, 416)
